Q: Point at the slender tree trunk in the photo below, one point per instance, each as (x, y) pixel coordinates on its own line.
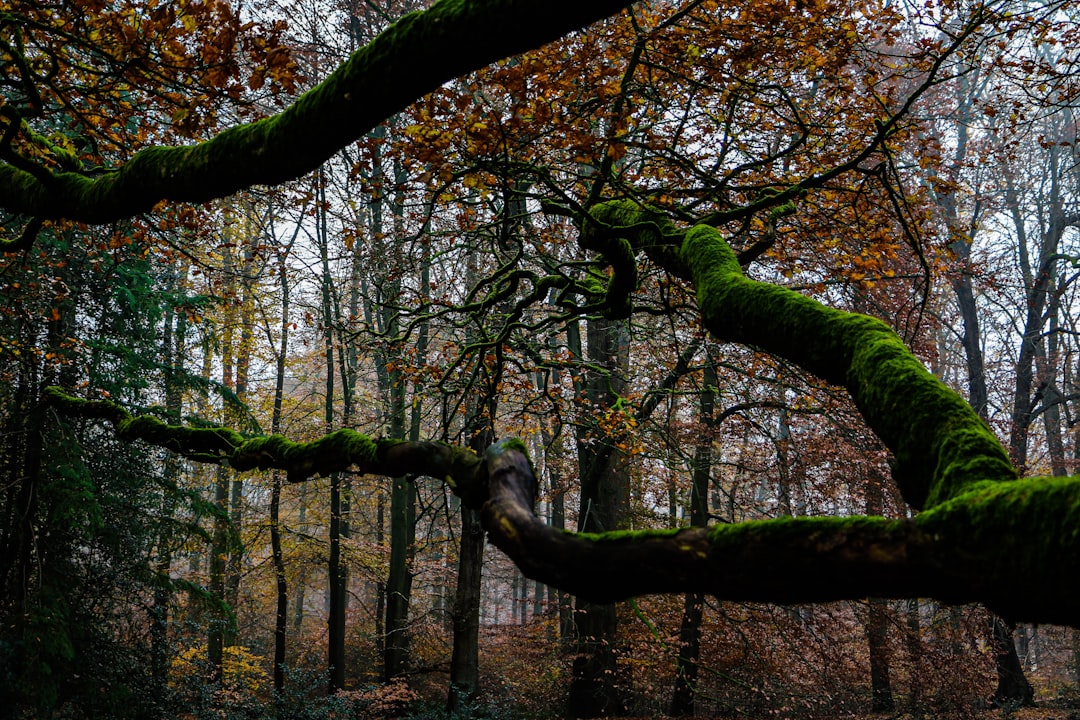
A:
(686, 667)
(281, 610)
(465, 657)
(173, 346)
(215, 645)
(553, 458)
(336, 571)
(877, 639)
(302, 577)
(243, 354)
(877, 620)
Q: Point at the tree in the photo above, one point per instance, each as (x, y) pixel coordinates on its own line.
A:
(648, 219)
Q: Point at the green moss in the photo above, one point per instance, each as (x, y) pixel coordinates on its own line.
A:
(618, 229)
(1025, 532)
(510, 444)
(414, 56)
(941, 446)
(627, 536)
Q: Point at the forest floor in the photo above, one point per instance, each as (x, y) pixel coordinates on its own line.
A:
(1050, 711)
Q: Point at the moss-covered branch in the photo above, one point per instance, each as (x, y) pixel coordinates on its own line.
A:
(335, 452)
(991, 545)
(415, 56)
(942, 448)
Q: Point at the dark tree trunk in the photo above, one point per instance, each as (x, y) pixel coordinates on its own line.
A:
(399, 584)
(465, 658)
(881, 696)
(877, 638)
(683, 698)
(686, 669)
(281, 610)
(1013, 689)
(215, 644)
(604, 504)
(913, 645)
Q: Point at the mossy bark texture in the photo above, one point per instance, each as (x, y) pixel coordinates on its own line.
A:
(415, 56)
(337, 451)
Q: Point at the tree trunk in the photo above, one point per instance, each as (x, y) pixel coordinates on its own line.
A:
(281, 610)
(464, 661)
(881, 696)
(1013, 689)
(877, 638)
(553, 455)
(686, 667)
(604, 504)
(465, 657)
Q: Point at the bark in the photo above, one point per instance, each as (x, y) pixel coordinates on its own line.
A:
(881, 697)
(464, 660)
(915, 655)
(552, 441)
(465, 655)
(337, 572)
(604, 502)
(173, 345)
(281, 610)
(877, 638)
(219, 621)
(1013, 688)
(246, 319)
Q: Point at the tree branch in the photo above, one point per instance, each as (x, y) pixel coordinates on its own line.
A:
(976, 547)
(413, 57)
(337, 451)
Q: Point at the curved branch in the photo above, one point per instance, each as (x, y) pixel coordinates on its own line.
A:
(977, 547)
(940, 445)
(413, 57)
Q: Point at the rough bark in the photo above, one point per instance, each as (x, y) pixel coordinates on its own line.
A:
(281, 585)
(877, 627)
(1013, 688)
(604, 503)
(464, 661)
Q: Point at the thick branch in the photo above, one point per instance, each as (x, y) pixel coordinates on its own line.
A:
(413, 57)
(990, 545)
(941, 446)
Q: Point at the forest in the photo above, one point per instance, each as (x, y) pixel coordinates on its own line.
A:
(521, 360)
